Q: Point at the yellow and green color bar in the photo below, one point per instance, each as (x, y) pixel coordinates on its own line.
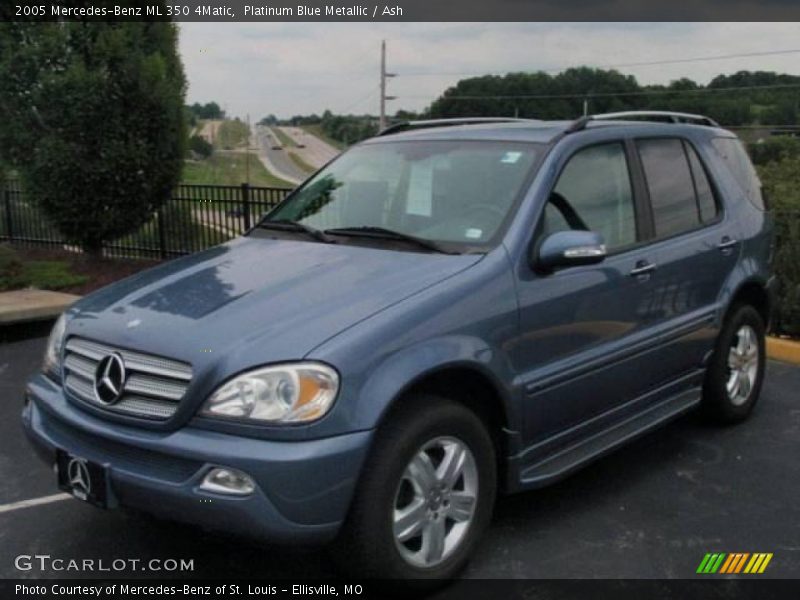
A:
(736, 562)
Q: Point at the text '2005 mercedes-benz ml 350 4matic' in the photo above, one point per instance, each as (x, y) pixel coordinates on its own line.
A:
(449, 310)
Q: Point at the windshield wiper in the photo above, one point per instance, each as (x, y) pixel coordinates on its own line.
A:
(389, 234)
(288, 225)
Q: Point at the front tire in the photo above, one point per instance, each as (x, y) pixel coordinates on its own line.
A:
(736, 371)
(425, 496)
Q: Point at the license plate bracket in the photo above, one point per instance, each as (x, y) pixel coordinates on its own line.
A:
(84, 479)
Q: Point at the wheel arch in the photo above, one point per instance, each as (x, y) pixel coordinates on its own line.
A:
(753, 292)
(475, 386)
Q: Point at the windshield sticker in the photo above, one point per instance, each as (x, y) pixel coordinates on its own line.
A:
(473, 233)
(511, 157)
(420, 190)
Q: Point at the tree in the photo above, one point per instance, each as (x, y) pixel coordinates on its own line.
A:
(210, 110)
(93, 120)
(561, 96)
(270, 119)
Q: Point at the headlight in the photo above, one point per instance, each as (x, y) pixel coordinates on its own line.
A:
(52, 354)
(290, 393)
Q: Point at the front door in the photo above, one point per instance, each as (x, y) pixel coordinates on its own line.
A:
(583, 344)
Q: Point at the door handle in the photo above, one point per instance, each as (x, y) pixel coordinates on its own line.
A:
(727, 243)
(642, 268)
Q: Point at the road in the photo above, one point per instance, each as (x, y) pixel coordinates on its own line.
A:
(311, 149)
(275, 157)
(650, 510)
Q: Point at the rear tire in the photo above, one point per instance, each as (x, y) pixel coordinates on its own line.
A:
(736, 370)
(425, 496)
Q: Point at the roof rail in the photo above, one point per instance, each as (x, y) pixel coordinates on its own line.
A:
(649, 115)
(403, 125)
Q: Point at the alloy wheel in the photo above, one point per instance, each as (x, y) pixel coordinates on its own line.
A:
(743, 365)
(435, 502)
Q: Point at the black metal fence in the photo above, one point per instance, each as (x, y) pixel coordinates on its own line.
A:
(196, 217)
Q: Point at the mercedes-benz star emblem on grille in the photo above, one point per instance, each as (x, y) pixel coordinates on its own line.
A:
(78, 475)
(109, 379)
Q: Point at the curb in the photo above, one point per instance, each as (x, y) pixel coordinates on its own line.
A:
(783, 349)
(25, 306)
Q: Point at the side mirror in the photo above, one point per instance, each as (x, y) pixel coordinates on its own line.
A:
(569, 249)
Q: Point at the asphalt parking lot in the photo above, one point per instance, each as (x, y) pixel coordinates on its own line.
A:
(650, 510)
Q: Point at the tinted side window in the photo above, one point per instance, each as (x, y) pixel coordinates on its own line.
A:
(734, 155)
(594, 192)
(706, 202)
(670, 184)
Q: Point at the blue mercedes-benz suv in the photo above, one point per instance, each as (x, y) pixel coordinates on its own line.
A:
(449, 310)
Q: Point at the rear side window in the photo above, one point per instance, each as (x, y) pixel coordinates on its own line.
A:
(669, 181)
(706, 201)
(734, 155)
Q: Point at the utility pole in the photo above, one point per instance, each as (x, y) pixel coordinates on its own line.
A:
(247, 153)
(384, 77)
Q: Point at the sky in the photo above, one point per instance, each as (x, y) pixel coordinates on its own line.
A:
(301, 68)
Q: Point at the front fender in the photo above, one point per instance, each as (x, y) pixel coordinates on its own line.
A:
(466, 321)
(400, 372)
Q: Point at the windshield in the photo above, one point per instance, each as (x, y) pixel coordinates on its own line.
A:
(436, 190)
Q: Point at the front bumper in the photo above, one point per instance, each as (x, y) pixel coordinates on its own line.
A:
(303, 488)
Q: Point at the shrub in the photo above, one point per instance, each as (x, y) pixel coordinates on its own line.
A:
(10, 269)
(774, 149)
(200, 146)
(781, 181)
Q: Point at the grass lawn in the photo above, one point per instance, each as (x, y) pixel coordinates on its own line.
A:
(230, 168)
(53, 275)
(283, 138)
(317, 131)
(301, 164)
(43, 275)
(17, 272)
(182, 230)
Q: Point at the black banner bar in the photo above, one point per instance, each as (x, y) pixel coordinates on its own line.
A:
(400, 10)
(746, 588)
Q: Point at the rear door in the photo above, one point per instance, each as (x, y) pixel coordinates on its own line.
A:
(695, 247)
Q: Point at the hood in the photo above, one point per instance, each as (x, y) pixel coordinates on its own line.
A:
(254, 301)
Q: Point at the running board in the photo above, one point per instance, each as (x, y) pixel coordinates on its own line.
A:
(572, 458)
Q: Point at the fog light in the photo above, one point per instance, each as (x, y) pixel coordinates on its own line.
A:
(228, 481)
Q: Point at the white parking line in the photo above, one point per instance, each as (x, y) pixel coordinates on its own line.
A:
(33, 502)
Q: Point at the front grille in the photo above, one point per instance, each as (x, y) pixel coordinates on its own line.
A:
(153, 388)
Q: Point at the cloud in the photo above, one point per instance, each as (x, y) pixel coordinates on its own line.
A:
(300, 68)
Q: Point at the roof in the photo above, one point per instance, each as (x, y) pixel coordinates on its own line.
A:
(534, 131)
(522, 131)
